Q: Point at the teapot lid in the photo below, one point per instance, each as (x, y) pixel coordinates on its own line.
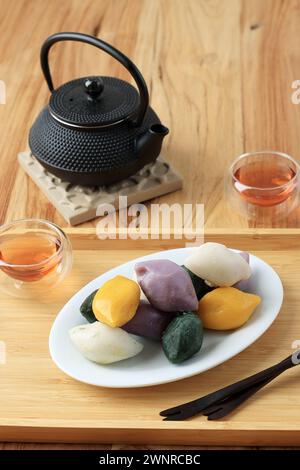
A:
(94, 102)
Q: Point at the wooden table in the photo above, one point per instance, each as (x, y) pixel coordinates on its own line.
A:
(219, 74)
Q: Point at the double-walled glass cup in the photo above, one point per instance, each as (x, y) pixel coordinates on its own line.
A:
(35, 255)
(263, 186)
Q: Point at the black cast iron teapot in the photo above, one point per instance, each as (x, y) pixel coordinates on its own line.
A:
(95, 130)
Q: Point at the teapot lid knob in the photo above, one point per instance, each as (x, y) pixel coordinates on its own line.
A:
(94, 87)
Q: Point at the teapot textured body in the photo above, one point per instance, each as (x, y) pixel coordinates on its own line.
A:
(96, 130)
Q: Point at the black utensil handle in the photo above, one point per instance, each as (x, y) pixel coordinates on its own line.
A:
(243, 384)
(104, 46)
(225, 407)
(194, 407)
(218, 404)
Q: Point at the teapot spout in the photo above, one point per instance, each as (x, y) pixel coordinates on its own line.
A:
(149, 143)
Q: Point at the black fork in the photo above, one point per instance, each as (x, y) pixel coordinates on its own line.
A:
(218, 404)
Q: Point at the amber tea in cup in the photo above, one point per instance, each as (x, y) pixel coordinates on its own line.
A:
(263, 185)
(36, 249)
(33, 254)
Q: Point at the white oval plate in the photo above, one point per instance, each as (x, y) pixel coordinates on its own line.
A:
(151, 367)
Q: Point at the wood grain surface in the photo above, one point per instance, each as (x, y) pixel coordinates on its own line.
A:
(39, 402)
(219, 74)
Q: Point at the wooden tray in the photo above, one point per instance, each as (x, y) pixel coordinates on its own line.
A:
(39, 403)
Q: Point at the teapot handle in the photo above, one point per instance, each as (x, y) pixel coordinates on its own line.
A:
(119, 56)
